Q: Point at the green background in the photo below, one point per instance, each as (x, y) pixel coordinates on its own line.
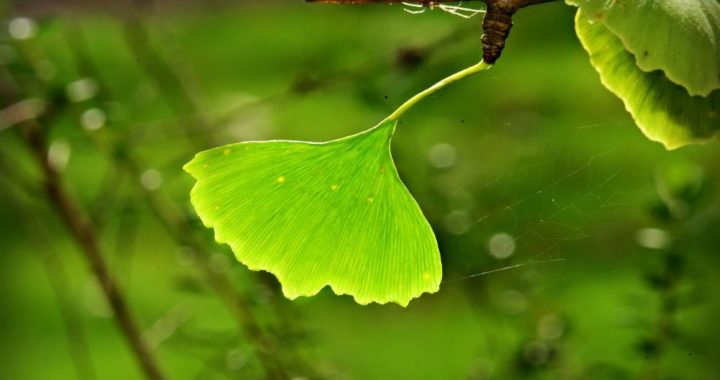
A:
(538, 149)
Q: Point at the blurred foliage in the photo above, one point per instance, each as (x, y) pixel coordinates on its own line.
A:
(531, 162)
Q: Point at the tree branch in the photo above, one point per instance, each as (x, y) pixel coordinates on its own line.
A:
(496, 24)
(57, 276)
(517, 3)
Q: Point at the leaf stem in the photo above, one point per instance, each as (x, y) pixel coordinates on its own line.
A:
(170, 217)
(476, 68)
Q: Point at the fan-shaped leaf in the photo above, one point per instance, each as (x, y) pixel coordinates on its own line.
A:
(679, 37)
(663, 110)
(317, 214)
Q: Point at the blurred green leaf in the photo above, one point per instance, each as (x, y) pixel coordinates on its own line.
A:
(663, 110)
(679, 37)
(317, 214)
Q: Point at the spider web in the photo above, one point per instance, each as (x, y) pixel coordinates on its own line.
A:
(546, 215)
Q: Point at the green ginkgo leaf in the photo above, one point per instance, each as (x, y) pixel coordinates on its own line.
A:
(679, 37)
(663, 110)
(320, 214)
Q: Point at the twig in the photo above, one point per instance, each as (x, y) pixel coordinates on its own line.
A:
(83, 232)
(58, 278)
(182, 232)
(496, 24)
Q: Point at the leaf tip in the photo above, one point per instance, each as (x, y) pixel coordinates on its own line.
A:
(190, 166)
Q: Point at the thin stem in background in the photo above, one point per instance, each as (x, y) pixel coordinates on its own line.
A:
(84, 234)
(478, 67)
(81, 229)
(58, 279)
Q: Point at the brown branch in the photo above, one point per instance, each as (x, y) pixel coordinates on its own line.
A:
(517, 3)
(496, 24)
(83, 232)
(58, 279)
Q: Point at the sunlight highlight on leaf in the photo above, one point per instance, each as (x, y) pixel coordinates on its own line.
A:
(317, 214)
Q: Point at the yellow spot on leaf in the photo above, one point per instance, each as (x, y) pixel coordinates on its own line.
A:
(426, 276)
(371, 199)
(205, 166)
(281, 179)
(333, 187)
(226, 152)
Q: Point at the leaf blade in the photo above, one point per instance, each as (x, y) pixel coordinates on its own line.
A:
(679, 37)
(662, 109)
(317, 214)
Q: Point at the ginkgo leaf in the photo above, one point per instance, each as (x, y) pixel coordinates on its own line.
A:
(317, 214)
(662, 109)
(679, 37)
